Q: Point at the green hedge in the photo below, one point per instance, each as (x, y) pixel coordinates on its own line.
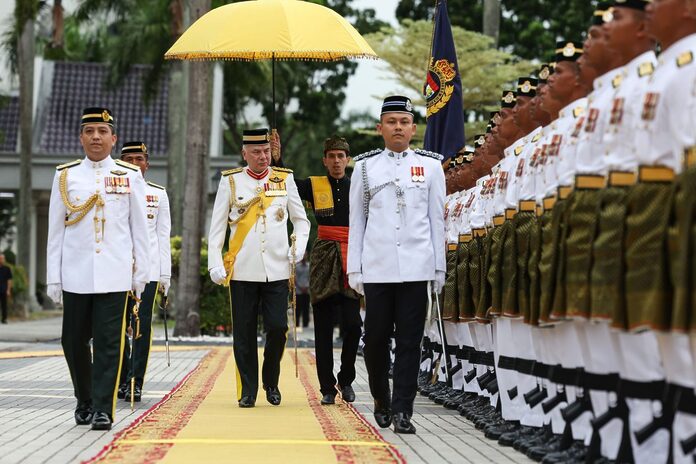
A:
(214, 300)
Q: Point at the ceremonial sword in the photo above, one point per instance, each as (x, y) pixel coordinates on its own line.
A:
(293, 297)
(164, 302)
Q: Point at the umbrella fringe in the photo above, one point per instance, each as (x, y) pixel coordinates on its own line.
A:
(304, 56)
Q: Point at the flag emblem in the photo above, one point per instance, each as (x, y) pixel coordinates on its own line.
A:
(438, 88)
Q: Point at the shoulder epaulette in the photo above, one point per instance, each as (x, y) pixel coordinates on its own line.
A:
(684, 59)
(232, 171)
(132, 167)
(68, 165)
(367, 154)
(276, 168)
(429, 154)
(646, 69)
(617, 80)
(152, 184)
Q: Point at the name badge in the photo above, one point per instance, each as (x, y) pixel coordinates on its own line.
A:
(417, 174)
(275, 189)
(118, 185)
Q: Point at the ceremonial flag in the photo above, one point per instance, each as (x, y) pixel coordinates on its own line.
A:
(444, 132)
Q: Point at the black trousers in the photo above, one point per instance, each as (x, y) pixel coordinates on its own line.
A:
(247, 298)
(398, 308)
(345, 311)
(302, 310)
(3, 305)
(101, 318)
(141, 346)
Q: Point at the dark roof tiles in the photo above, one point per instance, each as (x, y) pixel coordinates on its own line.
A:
(79, 85)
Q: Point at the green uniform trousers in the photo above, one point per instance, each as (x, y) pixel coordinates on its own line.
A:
(101, 318)
(247, 298)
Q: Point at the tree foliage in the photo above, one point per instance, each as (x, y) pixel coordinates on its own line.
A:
(528, 28)
(484, 69)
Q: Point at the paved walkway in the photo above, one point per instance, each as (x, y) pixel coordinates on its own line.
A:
(36, 405)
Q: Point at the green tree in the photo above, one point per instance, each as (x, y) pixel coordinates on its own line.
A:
(528, 28)
(484, 69)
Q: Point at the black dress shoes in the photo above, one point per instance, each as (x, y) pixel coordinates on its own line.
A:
(402, 423)
(273, 395)
(121, 394)
(101, 421)
(83, 413)
(137, 393)
(247, 402)
(328, 399)
(348, 394)
(383, 415)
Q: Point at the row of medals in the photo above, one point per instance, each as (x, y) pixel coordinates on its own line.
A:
(117, 184)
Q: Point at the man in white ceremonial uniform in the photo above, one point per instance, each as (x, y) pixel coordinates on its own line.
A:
(257, 201)
(97, 253)
(396, 246)
(159, 229)
(662, 131)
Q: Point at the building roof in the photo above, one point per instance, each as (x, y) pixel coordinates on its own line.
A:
(79, 85)
(9, 123)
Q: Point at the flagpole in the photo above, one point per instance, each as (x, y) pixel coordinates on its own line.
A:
(432, 34)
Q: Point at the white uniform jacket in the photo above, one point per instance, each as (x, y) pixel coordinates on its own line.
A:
(159, 225)
(99, 256)
(397, 227)
(263, 255)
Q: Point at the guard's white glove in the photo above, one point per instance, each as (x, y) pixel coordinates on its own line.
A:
(439, 282)
(218, 275)
(164, 283)
(298, 256)
(355, 280)
(55, 293)
(138, 288)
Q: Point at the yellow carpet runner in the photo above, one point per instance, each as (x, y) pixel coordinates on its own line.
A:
(199, 421)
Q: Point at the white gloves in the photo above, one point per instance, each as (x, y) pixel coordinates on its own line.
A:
(355, 280)
(298, 256)
(138, 288)
(439, 282)
(218, 275)
(55, 293)
(165, 282)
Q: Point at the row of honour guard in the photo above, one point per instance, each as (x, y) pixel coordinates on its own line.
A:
(570, 291)
(560, 250)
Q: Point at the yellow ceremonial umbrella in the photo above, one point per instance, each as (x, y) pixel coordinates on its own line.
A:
(271, 30)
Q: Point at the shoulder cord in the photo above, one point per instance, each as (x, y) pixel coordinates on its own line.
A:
(95, 200)
(368, 192)
(242, 208)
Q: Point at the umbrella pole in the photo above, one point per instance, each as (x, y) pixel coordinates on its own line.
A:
(275, 152)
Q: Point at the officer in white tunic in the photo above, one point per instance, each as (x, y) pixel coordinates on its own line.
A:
(396, 246)
(256, 201)
(159, 228)
(97, 252)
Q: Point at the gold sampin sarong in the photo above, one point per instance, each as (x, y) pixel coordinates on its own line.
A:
(322, 196)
